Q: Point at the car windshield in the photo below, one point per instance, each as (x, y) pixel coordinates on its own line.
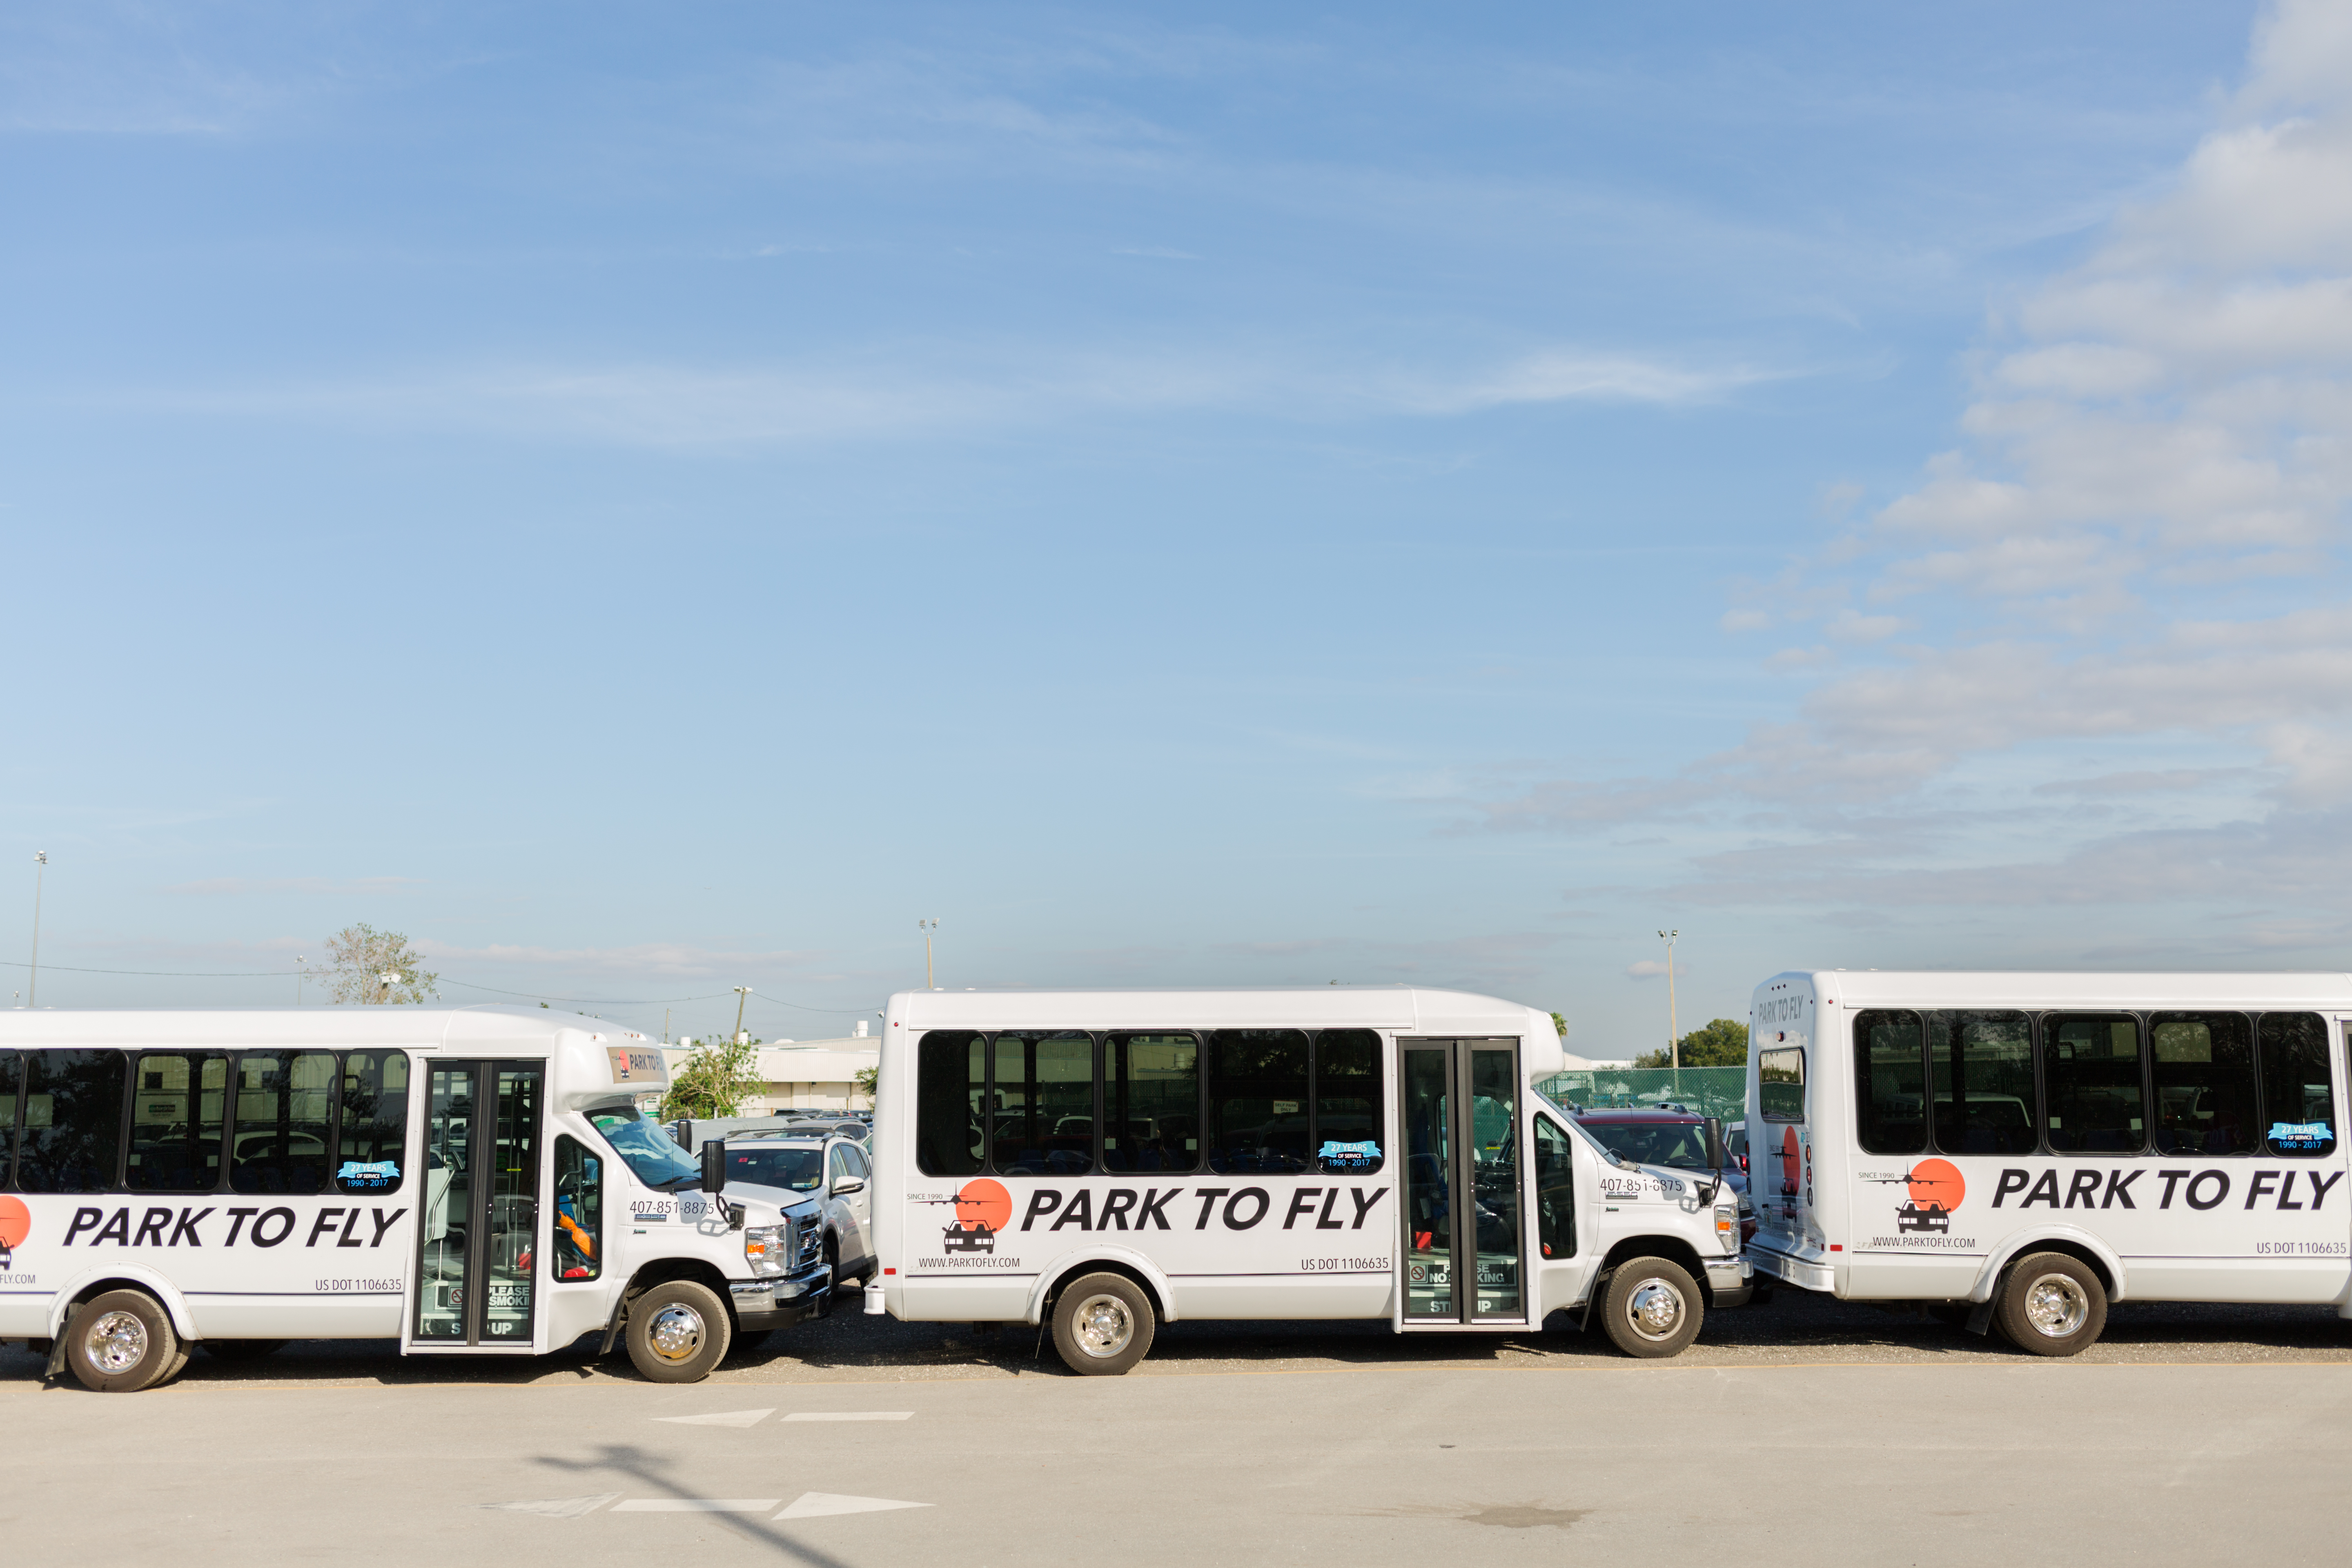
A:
(650, 1152)
(1681, 1144)
(775, 1165)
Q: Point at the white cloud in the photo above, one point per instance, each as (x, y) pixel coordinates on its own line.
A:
(2136, 552)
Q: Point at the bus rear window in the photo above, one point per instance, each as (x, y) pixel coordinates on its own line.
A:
(1780, 1084)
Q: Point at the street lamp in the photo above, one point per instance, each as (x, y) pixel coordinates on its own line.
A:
(743, 995)
(1674, 1029)
(391, 978)
(33, 980)
(927, 926)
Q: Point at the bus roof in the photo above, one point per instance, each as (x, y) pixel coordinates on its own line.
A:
(2037, 988)
(492, 1026)
(1396, 1007)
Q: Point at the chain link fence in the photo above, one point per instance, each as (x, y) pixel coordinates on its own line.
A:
(1704, 1092)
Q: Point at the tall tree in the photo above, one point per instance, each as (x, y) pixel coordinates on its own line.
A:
(717, 1076)
(358, 958)
(1722, 1044)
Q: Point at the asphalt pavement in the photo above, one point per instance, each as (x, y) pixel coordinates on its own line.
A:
(1840, 1431)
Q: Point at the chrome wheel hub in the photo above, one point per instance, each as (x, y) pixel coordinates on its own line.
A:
(1105, 1326)
(675, 1333)
(2056, 1306)
(1654, 1310)
(116, 1344)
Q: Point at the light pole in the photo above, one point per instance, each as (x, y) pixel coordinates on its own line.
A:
(743, 995)
(389, 977)
(927, 926)
(33, 980)
(1674, 1029)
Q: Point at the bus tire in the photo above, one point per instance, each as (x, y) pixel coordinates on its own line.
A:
(241, 1350)
(1653, 1308)
(120, 1342)
(1103, 1324)
(677, 1331)
(2051, 1304)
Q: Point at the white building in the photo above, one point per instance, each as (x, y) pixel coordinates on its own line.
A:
(806, 1075)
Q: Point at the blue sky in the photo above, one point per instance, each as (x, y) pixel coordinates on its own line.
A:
(646, 501)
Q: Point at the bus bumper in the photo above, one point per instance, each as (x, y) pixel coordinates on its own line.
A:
(1730, 1281)
(764, 1304)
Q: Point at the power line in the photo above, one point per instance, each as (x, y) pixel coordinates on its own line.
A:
(467, 984)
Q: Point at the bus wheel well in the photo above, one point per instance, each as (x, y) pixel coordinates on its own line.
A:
(1101, 1266)
(1672, 1249)
(2082, 1254)
(663, 1270)
(97, 1288)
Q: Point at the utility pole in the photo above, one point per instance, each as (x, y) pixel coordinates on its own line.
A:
(927, 926)
(665, 1025)
(743, 995)
(299, 961)
(33, 981)
(1673, 1026)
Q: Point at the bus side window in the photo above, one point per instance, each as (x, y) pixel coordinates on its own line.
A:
(1044, 1120)
(1258, 1101)
(2204, 1064)
(951, 1079)
(2091, 1074)
(285, 1104)
(373, 1131)
(579, 1211)
(1890, 1057)
(1554, 1190)
(72, 1137)
(1983, 1063)
(176, 1101)
(11, 1073)
(2298, 1095)
(1348, 1101)
(1151, 1102)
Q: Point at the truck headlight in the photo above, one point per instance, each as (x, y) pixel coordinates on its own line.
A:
(763, 1248)
(1726, 1229)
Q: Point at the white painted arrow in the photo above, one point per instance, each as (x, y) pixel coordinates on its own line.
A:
(723, 1418)
(558, 1507)
(818, 1505)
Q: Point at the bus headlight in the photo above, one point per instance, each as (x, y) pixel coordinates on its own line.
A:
(763, 1248)
(1726, 1229)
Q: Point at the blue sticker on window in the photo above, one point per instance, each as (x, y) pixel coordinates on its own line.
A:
(1350, 1156)
(2301, 1134)
(365, 1175)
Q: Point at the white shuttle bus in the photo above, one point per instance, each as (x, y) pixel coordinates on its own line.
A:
(1110, 1160)
(2020, 1149)
(466, 1180)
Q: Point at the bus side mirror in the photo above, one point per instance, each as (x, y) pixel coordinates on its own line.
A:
(1714, 1143)
(714, 1165)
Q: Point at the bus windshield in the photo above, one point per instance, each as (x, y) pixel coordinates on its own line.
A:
(1679, 1144)
(650, 1152)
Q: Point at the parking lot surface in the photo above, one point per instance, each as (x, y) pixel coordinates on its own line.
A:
(2191, 1434)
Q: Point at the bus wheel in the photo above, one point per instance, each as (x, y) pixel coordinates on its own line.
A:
(1653, 1308)
(1103, 1324)
(241, 1350)
(122, 1341)
(678, 1332)
(2052, 1305)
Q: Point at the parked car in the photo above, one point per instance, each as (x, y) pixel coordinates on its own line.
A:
(1674, 1139)
(787, 1165)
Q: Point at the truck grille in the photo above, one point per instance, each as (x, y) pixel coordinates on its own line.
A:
(810, 1236)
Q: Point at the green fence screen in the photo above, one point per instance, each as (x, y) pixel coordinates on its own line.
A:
(1706, 1091)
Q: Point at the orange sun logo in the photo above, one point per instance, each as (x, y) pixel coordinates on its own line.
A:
(1937, 1182)
(16, 1225)
(983, 1203)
